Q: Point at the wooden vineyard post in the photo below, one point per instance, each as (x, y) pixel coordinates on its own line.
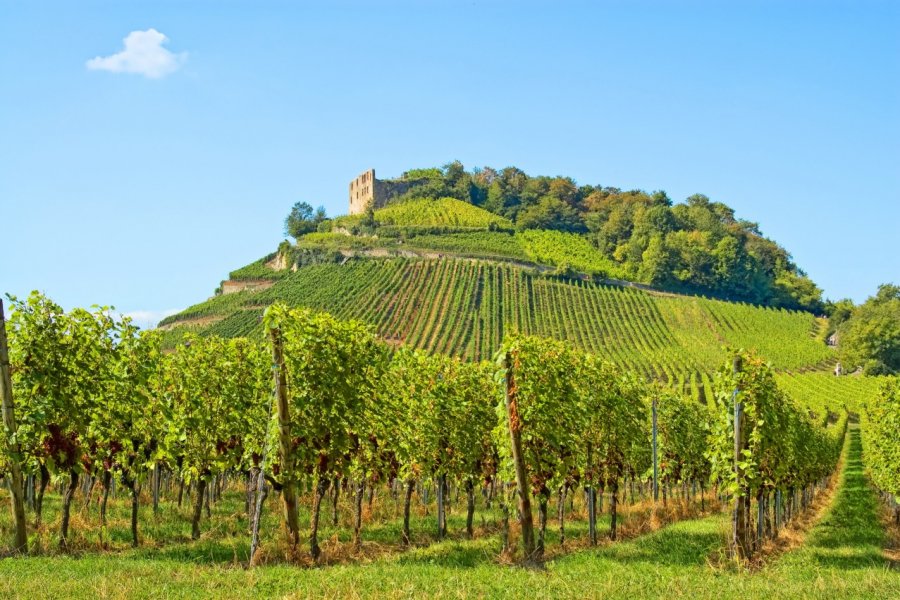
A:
(16, 487)
(741, 517)
(261, 490)
(591, 499)
(441, 506)
(655, 454)
(289, 489)
(515, 425)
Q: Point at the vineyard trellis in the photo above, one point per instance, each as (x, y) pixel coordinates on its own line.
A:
(655, 335)
(352, 412)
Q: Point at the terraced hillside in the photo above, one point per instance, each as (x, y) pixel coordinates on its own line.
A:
(464, 307)
(442, 212)
(823, 392)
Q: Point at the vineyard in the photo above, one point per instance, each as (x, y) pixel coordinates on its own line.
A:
(465, 308)
(447, 213)
(471, 397)
(316, 439)
(337, 442)
(567, 250)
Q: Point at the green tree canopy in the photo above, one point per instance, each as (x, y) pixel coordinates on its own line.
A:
(303, 219)
(870, 338)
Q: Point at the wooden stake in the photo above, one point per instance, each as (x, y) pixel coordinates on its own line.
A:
(526, 519)
(16, 487)
(289, 489)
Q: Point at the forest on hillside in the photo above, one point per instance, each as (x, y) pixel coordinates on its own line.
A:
(697, 246)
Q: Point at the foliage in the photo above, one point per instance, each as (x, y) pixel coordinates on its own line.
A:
(331, 367)
(567, 250)
(551, 214)
(881, 442)
(127, 423)
(455, 439)
(615, 431)
(683, 429)
(870, 337)
(302, 219)
(697, 246)
(784, 448)
(213, 390)
(550, 416)
(442, 212)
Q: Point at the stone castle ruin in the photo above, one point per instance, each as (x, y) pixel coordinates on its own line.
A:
(366, 190)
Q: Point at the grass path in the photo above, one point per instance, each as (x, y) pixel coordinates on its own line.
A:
(841, 558)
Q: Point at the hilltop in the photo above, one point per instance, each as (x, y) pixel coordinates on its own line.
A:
(448, 276)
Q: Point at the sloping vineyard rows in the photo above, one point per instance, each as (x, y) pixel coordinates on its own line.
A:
(479, 244)
(824, 393)
(767, 449)
(881, 443)
(348, 412)
(464, 308)
(429, 213)
(567, 250)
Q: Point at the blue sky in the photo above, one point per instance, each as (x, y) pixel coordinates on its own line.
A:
(143, 189)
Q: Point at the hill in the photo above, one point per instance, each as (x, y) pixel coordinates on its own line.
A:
(463, 307)
(696, 246)
(456, 271)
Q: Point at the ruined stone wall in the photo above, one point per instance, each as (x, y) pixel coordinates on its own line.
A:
(362, 192)
(366, 188)
(231, 286)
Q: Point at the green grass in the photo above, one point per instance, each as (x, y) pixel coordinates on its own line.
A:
(841, 558)
(849, 538)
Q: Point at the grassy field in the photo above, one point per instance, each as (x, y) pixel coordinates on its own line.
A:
(842, 556)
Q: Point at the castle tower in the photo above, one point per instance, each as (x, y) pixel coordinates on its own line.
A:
(362, 192)
(365, 190)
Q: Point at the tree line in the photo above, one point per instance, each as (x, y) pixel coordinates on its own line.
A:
(868, 335)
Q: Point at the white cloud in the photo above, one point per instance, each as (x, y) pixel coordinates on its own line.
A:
(143, 54)
(147, 319)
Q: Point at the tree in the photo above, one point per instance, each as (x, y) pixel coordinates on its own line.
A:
(870, 338)
(550, 213)
(656, 262)
(302, 219)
